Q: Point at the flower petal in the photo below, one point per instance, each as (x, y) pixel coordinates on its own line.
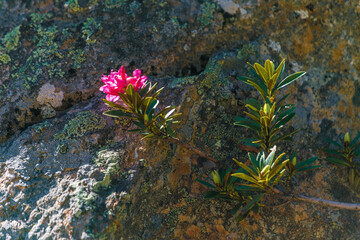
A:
(137, 73)
(112, 98)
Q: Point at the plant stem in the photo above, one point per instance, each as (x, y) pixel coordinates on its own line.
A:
(318, 201)
(191, 148)
(327, 203)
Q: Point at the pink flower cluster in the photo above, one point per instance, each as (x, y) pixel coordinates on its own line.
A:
(118, 81)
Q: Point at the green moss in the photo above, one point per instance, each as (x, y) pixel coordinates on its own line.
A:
(214, 81)
(207, 13)
(133, 6)
(73, 6)
(78, 58)
(114, 3)
(63, 148)
(45, 57)
(172, 218)
(82, 199)
(183, 81)
(11, 39)
(37, 18)
(83, 123)
(89, 29)
(110, 160)
(247, 51)
(41, 126)
(4, 58)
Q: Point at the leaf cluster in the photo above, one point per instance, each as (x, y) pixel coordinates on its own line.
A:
(346, 154)
(250, 184)
(267, 80)
(264, 172)
(267, 119)
(294, 167)
(223, 185)
(141, 108)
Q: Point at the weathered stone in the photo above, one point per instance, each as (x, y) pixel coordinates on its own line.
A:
(67, 172)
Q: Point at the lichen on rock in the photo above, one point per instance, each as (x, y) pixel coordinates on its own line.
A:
(49, 95)
(84, 122)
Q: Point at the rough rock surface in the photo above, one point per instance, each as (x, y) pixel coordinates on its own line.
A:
(67, 172)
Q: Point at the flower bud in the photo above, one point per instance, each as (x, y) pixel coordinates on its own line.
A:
(347, 138)
(267, 109)
(216, 177)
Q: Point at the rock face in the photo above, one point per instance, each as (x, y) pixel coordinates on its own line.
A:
(68, 172)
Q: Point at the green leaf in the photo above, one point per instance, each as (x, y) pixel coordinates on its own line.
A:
(284, 113)
(251, 204)
(260, 70)
(145, 89)
(152, 87)
(355, 147)
(247, 123)
(353, 142)
(242, 216)
(253, 117)
(277, 160)
(117, 113)
(135, 130)
(332, 152)
(235, 209)
(254, 162)
(172, 117)
(252, 70)
(337, 161)
(258, 186)
(280, 68)
(244, 80)
(282, 137)
(306, 162)
(245, 177)
(246, 188)
(162, 112)
(126, 99)
(277, 169)
(284, 120)
(157, 93)
(168, 114)
(333, 142)
(268, 101)
(249, 142)
(262, 92)
(246, 168)
(140, 124)
(153, 104)
(211, 194)
(170, 132)
(130, 92)
(283, 98)
(357, 153)
(254, 103)
(148, 135)
(114, 105)
(279, 177)
(205, 183)
(289, 79)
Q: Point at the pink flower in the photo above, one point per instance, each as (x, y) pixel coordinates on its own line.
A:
(118, 81)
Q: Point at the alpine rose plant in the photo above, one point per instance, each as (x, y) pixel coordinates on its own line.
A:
(118, 81)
